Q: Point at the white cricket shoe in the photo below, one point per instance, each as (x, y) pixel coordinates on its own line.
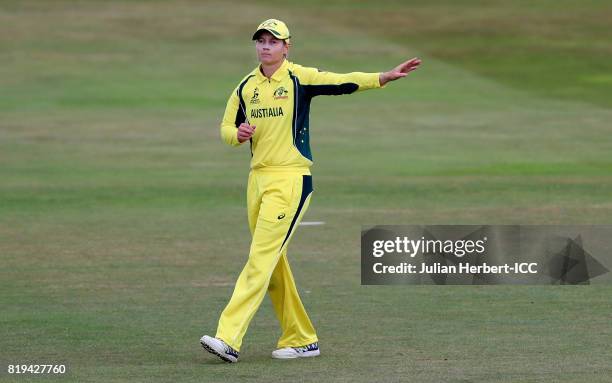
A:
(307, 351)
(220, 348)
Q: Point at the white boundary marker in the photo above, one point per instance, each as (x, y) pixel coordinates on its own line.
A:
(312, 223)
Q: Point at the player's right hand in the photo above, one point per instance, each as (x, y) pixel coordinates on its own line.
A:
(245, 132)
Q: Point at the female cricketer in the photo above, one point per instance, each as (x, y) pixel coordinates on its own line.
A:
(270, 108)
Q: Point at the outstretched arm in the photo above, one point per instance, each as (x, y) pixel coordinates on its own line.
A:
(399, 71)
(317, 82)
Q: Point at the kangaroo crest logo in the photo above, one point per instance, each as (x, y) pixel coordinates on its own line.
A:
(269, 23)
(281, 93)
(255, 98)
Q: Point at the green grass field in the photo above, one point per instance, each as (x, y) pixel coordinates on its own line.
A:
(123, 218)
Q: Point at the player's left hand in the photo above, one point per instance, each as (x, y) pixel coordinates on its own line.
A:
(400, 71)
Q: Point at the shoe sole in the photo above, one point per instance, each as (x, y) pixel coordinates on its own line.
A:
(213, 351)
(309, 354)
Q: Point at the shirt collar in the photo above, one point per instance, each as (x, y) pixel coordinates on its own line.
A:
(280, 73)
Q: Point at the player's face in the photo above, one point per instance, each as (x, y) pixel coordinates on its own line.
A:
(270, 50)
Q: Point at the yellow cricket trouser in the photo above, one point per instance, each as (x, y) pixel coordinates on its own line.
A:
(277, 200)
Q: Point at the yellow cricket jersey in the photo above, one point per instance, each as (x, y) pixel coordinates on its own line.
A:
(279, 108)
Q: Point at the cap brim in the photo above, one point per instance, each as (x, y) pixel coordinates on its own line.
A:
(272, 31)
